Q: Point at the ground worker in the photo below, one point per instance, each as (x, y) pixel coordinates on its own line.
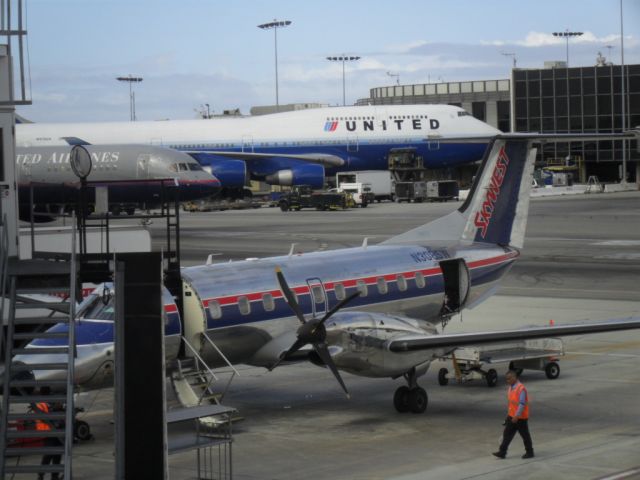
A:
(517, 417)
(45, 426)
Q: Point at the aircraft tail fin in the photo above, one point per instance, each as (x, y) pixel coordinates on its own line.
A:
(496, 209)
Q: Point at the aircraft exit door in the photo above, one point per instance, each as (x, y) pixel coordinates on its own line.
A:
(456, 285)
(318, 296)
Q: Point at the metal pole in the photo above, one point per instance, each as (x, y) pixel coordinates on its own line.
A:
(344, 98)
(622, 75)
(275, 37)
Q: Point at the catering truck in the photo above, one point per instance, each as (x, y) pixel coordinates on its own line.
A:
(379, 181)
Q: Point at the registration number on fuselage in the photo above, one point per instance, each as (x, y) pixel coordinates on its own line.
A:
(429, 255)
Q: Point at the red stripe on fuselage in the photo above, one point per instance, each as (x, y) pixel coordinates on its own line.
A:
(351, 283)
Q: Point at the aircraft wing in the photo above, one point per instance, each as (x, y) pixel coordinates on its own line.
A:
(321, 158)
(411, 343)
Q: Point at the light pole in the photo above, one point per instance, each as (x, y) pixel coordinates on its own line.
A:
(512, 55)
(343, 58)
(396, 75)
(275, 25)
(567, 35)
(624, 100)
(132, 96)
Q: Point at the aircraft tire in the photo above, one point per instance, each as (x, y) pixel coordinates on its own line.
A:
(492, 378)
(401, 399)
(418, 400)
(552, 370)
(442, 377)
(284, 206)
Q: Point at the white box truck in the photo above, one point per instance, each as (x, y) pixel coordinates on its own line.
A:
(380, 181)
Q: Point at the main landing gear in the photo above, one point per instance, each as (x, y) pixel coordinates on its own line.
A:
(411, 398)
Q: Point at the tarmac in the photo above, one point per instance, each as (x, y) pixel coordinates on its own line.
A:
(581, 261)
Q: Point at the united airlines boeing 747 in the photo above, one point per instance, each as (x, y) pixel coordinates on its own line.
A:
(293, 148)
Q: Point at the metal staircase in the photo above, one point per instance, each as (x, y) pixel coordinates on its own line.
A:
(49, 379)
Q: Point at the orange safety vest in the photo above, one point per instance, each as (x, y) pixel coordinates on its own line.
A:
(513, 397)
(44, 408)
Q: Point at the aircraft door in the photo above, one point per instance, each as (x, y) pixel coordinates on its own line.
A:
(457, 283)
(194, 321)
(317, 296)
(142, 171)
(247, 143)
(25, 172)
(352, 143)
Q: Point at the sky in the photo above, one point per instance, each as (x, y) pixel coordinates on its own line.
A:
(196, 52)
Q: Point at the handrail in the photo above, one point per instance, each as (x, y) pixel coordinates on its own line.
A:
(221, 354)
(186, 342)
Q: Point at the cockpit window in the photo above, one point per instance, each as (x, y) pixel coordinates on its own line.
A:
(182, 167)
(463, 113)
(195, 167)
(173, 167)
(93, 308)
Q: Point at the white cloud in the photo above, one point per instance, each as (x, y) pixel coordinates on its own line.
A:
(543, 39)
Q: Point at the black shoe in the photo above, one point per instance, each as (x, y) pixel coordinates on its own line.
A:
(528, 455)
(500, 454)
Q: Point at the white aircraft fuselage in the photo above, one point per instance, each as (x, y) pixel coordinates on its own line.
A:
(299, 147)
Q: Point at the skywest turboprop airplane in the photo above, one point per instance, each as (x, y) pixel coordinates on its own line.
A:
(293, 148)
(369, 311)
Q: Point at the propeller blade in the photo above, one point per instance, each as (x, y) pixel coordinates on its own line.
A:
(298, 344)
(339, 305)
(289, 296)
(323, 352)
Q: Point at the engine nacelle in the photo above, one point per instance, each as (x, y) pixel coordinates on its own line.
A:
(231, 173)
(309, 174)
(358, 344)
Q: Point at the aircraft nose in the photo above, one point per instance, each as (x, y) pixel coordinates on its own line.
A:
(194, 188)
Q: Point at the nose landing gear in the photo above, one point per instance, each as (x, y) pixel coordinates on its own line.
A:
(411, 398)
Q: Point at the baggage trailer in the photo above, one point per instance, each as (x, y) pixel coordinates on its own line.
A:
(442, 190)
(539, 354)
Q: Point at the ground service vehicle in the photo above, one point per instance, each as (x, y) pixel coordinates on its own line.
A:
(411, 191)
(302, 196)
(442, 190)
(381, 183)
(360, 192)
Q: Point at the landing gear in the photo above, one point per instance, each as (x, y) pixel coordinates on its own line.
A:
(412, 398)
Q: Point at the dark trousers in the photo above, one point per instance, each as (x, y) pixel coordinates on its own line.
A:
(510, 429)
(51, 459)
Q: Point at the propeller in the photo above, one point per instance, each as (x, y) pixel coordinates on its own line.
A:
(311, 331)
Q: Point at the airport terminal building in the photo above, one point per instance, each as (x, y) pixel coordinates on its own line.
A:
(554, 99)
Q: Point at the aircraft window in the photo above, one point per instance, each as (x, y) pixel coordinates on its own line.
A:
(340, 291)
(244, 305)
(267, 301)
(420, 283)
(463, 114)
(96, 309)
(173, 167)
(318, 294)
(382, 286)
(362, 288)
(402, 283)
(214, 309)
(195, 167)
(182, 167)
